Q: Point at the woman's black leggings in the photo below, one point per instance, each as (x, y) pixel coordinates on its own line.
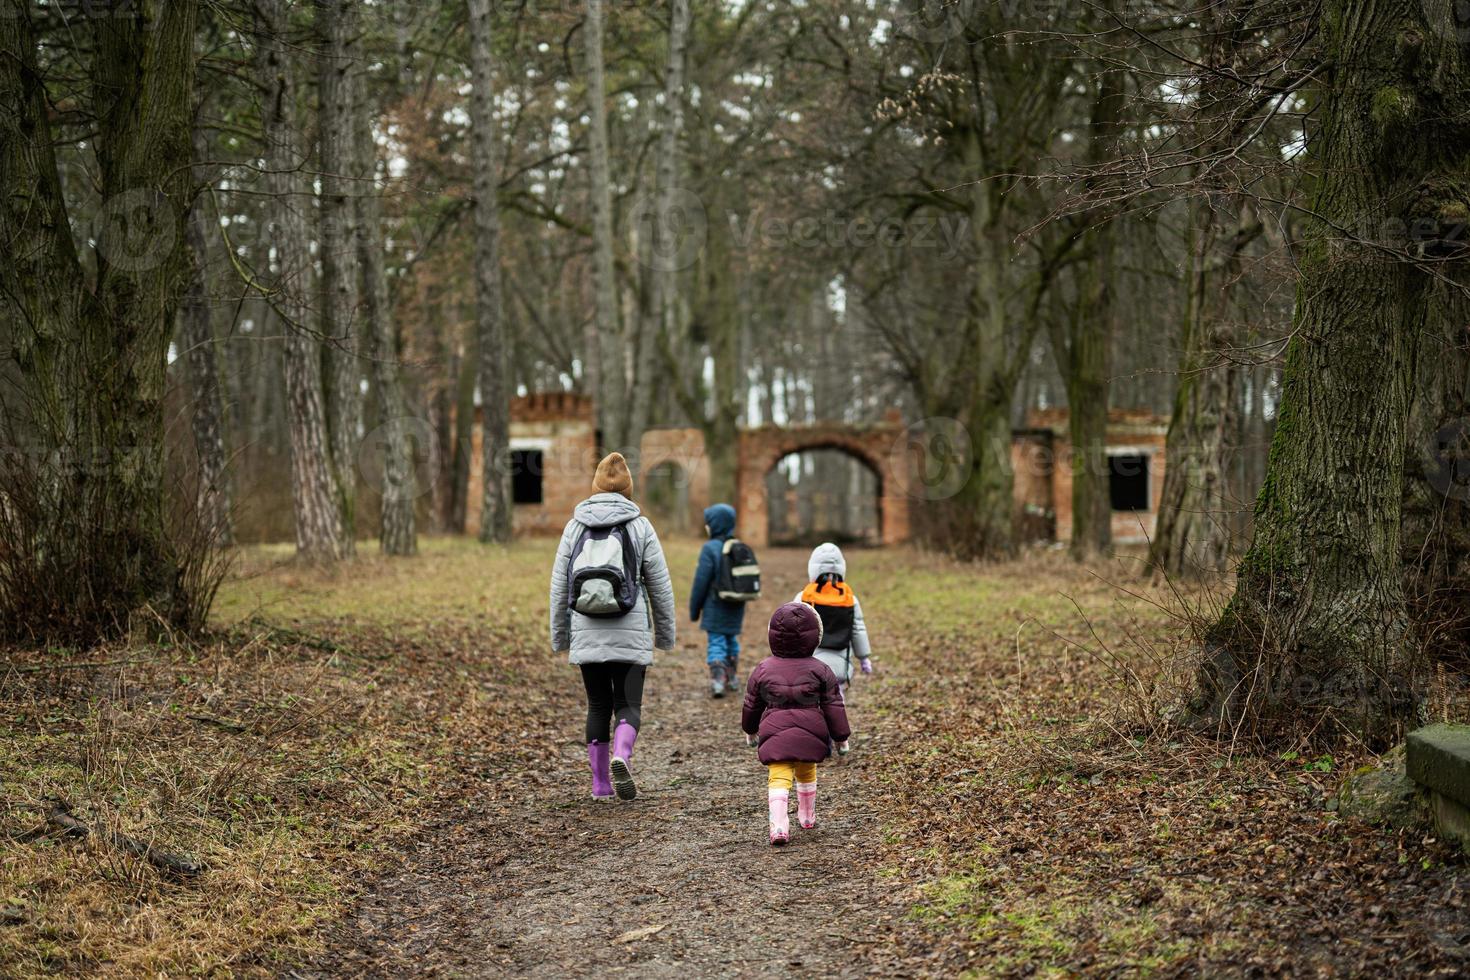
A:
(612, 688)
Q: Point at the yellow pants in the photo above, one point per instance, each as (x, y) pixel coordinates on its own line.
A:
(780, 775)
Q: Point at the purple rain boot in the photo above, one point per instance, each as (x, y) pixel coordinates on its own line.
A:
(806, 805)
(622, 751)
(780, 825)
(732, 667)
(717, 679)
(597, 756)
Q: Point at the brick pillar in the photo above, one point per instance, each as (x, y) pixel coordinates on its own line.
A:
(891, 450)
(750, 489)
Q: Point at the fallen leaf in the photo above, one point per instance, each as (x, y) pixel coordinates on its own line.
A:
(633, 935)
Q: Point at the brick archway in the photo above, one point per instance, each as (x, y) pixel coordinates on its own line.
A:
(883, 447)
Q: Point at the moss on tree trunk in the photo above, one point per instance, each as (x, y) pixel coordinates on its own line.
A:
(1318, 626)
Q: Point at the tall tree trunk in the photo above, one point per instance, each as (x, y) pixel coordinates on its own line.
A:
(1436, 522)
(1086, 374)
(1192, 537)
(495, 505)
(397, 530)
(441, 413)
(1086, 362)
(93, 364)
(664, 261)
(201, 365)
(468, 366)
(340, 324)
(612, 382)
(1195, 525)
(319, 530)
(721, 318)
(976, 385)
(1318, 626)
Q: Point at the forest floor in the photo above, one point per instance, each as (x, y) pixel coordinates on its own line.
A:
(382, 768)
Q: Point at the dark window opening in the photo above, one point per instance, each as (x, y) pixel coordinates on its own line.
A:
(525, 476)
(1128, 481)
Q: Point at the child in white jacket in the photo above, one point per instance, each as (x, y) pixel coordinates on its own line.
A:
(844, 634)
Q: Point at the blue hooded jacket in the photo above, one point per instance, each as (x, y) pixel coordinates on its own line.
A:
(717, 615)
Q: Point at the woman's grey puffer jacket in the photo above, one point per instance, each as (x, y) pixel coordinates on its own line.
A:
(650, 623)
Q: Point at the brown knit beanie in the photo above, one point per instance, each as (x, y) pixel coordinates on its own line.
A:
(613, 476)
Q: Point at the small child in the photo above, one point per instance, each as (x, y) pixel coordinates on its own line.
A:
(844, 634)
(793, 703)
(723, 620)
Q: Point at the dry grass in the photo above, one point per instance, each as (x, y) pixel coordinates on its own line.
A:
(1051, 826)
(1045, 823)
(316, 730)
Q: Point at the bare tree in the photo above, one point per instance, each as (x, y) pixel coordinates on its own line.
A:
(1319, 616)
(201, 363)
(397, 532)
(611, 353)
(1084, 346)
(336, 23)
(668, 221)
(319, 529)
(91, 349)
(495, 507)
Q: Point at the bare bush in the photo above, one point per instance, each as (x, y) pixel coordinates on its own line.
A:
(61, 571)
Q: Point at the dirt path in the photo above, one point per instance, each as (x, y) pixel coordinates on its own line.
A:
(544, 886)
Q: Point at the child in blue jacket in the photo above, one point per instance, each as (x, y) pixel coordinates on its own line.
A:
(722, 621)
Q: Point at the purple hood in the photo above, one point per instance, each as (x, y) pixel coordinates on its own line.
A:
(795, 630)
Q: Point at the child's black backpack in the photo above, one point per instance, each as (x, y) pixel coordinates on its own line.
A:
(739, 578)
(603, 572)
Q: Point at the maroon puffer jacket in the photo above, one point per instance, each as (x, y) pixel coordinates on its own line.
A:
(792, 699)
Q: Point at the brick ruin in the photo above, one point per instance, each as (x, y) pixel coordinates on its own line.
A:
(553, 451)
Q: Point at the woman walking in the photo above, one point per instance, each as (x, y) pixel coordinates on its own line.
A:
(611, 604)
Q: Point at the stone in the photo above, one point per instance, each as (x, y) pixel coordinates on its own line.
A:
(1439, 759)
(1383, 794)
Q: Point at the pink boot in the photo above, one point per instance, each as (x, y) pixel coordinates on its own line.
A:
(806, 805)
(780, 829)
(597, 761)
(622, 753)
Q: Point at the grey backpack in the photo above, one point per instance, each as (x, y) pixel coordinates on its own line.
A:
(603, 572)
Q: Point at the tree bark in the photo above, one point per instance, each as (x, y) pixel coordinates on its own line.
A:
(93, 363)
(397, 530)
(1436, 520)
(1318, 626)
(1195, 526)
(495, 505)
(201, 364)
(320, 535)
(664, 261)
(441, 413)
(468, 365)
(612, 379)
(1084, 357)
(975, 382)
(341, 275)
(720, 315)
(1192, 537)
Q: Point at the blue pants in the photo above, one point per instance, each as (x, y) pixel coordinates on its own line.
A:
(722, 647)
